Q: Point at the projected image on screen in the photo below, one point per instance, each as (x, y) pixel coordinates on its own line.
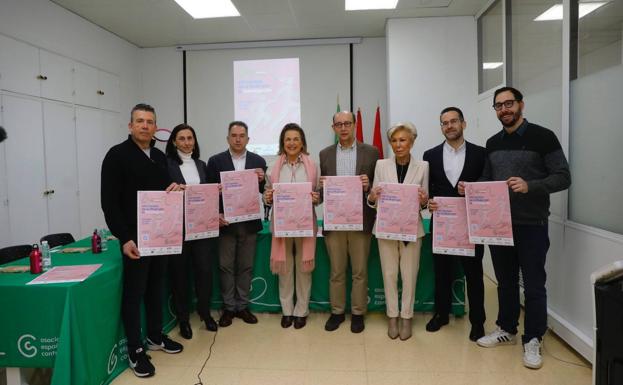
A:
(267, 96)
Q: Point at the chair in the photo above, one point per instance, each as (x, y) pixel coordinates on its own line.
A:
(59, 239)
(12, 253)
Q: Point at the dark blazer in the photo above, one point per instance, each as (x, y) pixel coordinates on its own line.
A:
(438, 183)
(176, 173)
(367, 156)
(223, 162)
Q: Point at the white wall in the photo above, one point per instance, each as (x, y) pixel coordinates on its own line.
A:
(431, 64)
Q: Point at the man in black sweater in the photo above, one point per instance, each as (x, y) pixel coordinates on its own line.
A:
(131, 166)
(531, 161)
(450, 162)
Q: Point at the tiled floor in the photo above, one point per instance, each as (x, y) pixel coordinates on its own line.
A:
(267, 354)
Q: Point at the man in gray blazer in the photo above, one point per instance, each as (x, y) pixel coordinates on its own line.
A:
(349, 157)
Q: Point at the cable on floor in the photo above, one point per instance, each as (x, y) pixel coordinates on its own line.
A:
(206, 360)
(582, 365)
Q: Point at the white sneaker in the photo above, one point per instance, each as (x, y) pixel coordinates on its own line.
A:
(532, 354)
(497, 337)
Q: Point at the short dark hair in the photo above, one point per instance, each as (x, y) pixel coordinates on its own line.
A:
(292, 127)
(238, 123)
(455, 109)
(142, 107)
(518, 96)
(350, 112)
(171, 150)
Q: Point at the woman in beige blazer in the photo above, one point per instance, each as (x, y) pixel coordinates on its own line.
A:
(399, 256)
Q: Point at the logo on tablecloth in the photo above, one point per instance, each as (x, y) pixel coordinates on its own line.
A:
(260, 286)
(112, 359)
(25, 345)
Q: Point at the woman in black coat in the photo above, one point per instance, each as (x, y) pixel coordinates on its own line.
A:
(185, 167)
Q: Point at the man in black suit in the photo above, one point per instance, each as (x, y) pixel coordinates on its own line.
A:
(450, 162)
(237, 240)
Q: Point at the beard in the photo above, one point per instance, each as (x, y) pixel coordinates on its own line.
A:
(509, 119)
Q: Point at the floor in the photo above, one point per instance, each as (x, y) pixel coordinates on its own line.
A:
(267, 354)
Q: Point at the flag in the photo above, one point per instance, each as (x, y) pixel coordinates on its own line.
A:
(377, 141)
(335, 138)
(359, 126)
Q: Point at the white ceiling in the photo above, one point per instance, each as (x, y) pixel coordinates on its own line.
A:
(159, 23)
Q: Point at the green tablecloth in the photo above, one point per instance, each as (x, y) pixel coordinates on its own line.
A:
(76, 329)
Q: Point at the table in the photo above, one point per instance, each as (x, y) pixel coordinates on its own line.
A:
(76, 329)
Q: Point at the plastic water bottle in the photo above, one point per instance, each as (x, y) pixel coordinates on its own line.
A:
(35, 260)
(46, 257)
(96, 243)
(103, 240)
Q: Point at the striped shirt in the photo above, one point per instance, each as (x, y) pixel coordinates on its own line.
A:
(346, 159)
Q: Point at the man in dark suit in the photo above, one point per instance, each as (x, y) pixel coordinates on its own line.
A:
(349, 157)
(237, 240)
(450, 162)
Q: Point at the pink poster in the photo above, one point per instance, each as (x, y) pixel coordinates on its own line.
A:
(201, 203)
(398, 212)
(293, 210)
(160, 222)
(489, 213)
(343, 205)
(241, 192)
(62, 274)
(450, 235)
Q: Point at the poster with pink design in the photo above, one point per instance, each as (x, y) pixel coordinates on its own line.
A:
(489, 213)
(342, 204)
(63, 274)
(160, 222)
(240, 190)
(450, 235)
(201, 203)
(398, 212)
(293, 210)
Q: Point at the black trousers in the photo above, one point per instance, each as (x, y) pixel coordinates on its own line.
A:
(143, 280)
(528, 254)
(444, 267)
(198, 256)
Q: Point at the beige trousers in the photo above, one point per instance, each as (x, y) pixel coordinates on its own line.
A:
(342, 247)
(294, 273)
(398, 258)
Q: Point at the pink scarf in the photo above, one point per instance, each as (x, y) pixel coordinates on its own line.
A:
(278, 245)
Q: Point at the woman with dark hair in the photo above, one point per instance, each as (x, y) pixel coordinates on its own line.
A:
(290, 257)
(185, 167)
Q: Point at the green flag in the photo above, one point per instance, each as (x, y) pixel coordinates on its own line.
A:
(335, 139)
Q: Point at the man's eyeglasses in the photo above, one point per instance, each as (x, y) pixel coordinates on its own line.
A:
(507, 103)
(447, 123)
(342, 124)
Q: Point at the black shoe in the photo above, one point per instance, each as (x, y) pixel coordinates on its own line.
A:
(436, 322)
(139, 362)
(477, 332)
(334, 322)
(286, 321)
(185, 330)
(226, 318)
(165, 344)
(300, 322)
(210, 323)
(356, 323)
(246, 316)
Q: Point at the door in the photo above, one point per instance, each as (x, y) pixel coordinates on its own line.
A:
(61, 168)
(4, 200)
(25, 169)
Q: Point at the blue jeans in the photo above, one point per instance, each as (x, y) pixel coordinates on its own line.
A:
(528, 254)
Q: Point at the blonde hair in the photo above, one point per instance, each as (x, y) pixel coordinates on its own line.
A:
(402, 126)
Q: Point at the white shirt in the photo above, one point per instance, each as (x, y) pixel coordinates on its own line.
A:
(189, 168)
(239, 161)
(346, 159)
(453, 161)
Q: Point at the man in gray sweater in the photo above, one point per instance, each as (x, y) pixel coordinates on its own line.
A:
(530, 159)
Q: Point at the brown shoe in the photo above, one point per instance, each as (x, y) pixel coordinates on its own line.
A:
(300, 322)
(246, 316)
(286, 321)
(405, 328)
(392, 328)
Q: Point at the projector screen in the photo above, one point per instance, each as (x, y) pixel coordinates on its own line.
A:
(259, 86)
(267, 96)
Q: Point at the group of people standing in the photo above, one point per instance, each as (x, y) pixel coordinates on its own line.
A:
(527, 156)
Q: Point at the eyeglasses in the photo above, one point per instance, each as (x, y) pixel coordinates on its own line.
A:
(450, 122)
(507, 103)
(342, 124)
